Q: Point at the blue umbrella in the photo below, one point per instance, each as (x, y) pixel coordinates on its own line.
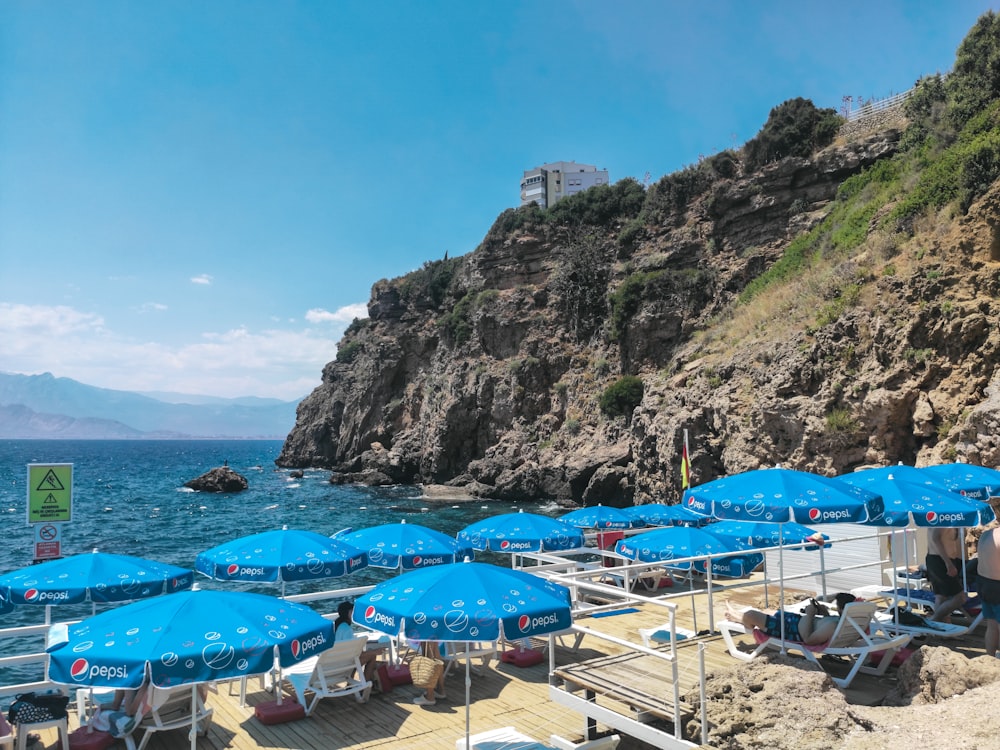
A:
(674, 542)
(407, 546)
(779, 495)
(281, 555)
(465, 602)
(923, 502)
(762, 534)
(659, 514)
(190, 637)
(97, 576)
(975, 482)
(521, 532)
(599, 517)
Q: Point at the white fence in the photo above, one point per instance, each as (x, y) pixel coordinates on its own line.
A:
(873, 106)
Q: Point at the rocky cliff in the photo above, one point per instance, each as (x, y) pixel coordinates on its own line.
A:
(486, 370)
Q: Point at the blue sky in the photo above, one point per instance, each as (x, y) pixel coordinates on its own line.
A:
(198, 197)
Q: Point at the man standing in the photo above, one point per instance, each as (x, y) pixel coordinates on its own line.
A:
(988, 587)
(944, 569)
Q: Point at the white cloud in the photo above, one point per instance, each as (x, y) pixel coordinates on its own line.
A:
(204, 278)
(151, 307)
(39, 321)
(343, 315)
(284, 363)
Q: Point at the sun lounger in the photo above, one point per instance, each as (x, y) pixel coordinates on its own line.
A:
(171, 708)
(505, 738)
(887, 621)
(925, 598)
(333, 673)
(857, 637)
(661, 634)
(457, 652)
(604, 743)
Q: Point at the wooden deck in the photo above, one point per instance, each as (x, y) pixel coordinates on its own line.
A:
(502, 695)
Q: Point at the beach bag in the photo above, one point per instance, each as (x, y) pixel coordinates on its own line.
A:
(425, 671)
(31, 708)
(86, 738)
(391, 675)
(908, 617)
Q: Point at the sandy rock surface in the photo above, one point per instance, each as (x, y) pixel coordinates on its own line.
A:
(943, 699)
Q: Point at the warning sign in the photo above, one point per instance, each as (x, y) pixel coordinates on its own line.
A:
(48, 542)
(50, 493)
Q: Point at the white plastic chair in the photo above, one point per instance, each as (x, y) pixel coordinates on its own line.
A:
(24, 729)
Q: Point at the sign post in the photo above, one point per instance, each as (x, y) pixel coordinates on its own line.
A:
(48, 541)
(50, 493)
(50, 505)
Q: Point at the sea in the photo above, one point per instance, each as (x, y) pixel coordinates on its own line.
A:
(129, 498)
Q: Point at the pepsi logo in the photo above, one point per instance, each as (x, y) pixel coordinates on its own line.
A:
(931, 516)
(295, 649)
(233, 569)
(504, 545)
(814, 514)
(30, 595)
(370, 612)
(79, 669)
(416, 561)
(522, 623)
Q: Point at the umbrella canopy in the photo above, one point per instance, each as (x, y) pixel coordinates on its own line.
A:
(763, 534)
(779, 495)
(674, 542)
(465, 602)
(97, 576)
(658, 514)
(281, 555)
(193, 636)
(407, 546)
(975, 482)
(599, 517)
(925, 503)
(521, 532)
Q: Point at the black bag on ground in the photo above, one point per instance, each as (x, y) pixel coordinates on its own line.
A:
(909, 617)
(29, 708)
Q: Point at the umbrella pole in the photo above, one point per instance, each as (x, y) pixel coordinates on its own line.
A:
(694, 603)
(194, 713)
(822, 567)
(708, 580)
(468, 696)
(781, 581)
(767, 601)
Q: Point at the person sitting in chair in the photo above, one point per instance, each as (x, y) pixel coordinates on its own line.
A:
(813, 626)
(344, 631)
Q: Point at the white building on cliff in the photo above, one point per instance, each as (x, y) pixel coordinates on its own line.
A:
(548, 183)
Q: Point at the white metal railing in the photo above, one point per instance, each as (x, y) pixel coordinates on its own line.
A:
(581, 576)
(873, 106)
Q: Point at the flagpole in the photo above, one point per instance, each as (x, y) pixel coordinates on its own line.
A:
(685, 466)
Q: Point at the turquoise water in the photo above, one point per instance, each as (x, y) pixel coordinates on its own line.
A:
(129, 498)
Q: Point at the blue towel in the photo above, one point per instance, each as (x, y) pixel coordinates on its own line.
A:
(625, 611)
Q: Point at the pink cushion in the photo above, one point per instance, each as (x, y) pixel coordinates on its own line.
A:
(761, 637)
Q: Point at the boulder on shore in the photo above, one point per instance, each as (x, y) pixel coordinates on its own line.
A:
(221, 479)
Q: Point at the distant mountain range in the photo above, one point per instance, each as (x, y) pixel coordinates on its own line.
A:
(44, 406)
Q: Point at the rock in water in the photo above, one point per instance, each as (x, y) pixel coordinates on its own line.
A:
(221, 479)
